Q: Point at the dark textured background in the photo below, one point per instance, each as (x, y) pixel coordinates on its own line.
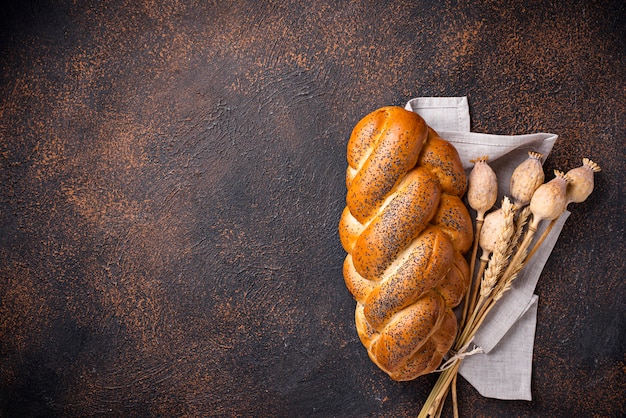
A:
(171, 179)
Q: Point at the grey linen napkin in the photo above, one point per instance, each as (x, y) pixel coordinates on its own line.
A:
(503, 370)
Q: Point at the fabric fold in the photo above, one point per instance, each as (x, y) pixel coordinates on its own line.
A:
(498, 374)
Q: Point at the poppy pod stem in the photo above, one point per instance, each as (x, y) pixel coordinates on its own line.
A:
(482, 193)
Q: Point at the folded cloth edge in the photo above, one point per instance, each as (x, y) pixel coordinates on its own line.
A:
(435, 106)
(485, 371)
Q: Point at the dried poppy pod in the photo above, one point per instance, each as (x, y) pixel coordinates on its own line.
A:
(526, 178)
(496, 231)
(548, 203)
(549, 200)
(482, 191)
(579, 187)
(494, 241)
(581, 181)
(489, 235)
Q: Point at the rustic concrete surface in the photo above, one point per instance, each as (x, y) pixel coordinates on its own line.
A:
(171, 178)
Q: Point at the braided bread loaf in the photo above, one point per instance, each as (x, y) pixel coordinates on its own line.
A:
(405, 230)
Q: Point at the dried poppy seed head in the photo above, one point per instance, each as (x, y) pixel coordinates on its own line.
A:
(496, 227)
(482, 189)
(526, 178)
(550, 199)
(581, 181)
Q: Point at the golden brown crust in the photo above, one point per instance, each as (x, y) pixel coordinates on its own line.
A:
(428, 357)
(426, 264)
(453, 286)
(382, 149)
(400, 221)
(404, 229)
(358, 286)
(442, 159)
(454, 219)
(349, 230)
(417, 322)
